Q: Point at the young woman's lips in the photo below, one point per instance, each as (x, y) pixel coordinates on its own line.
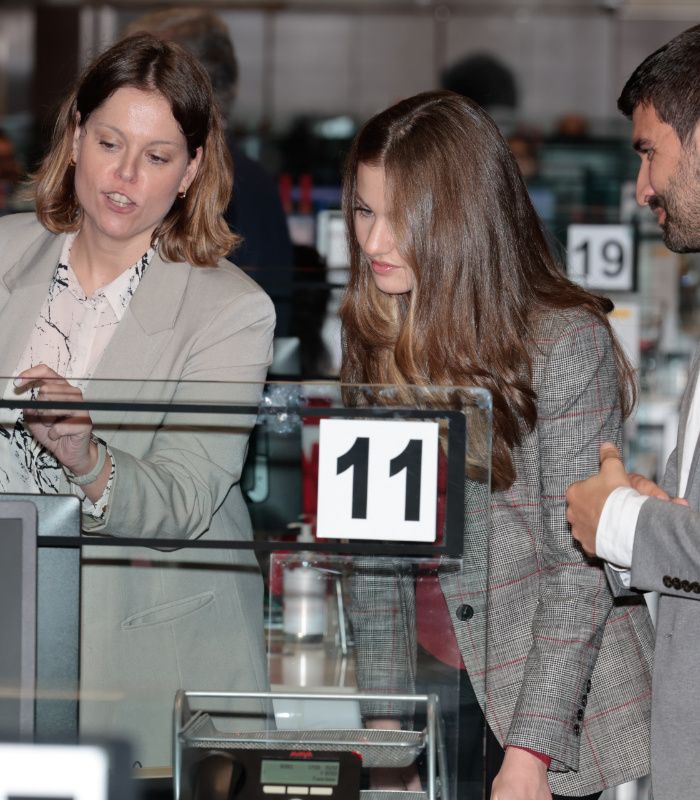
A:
(382, 267)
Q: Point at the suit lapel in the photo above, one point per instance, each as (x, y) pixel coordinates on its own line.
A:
(686, 403)
(22, 292)
(137, 345)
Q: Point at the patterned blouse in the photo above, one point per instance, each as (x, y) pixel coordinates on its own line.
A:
(70, 336)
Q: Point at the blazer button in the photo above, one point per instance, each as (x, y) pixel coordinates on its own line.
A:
(464, 612)
(588, 685)
(667, 581)
(579, 714)
(695, 587)
(685, 585)
(676, 583)
(577, 729)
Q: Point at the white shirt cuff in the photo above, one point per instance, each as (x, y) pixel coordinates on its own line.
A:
(616, 527)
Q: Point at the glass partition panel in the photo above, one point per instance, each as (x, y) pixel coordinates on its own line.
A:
(252, 540)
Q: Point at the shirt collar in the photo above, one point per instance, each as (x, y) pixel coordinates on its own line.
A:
(119, 292)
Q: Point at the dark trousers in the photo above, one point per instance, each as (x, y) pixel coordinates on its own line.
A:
(480, 756)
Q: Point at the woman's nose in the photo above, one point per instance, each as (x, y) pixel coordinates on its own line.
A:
(379, 240)
(127, 168)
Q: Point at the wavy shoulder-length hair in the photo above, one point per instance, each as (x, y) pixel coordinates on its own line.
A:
(482, 270)
(194, 229)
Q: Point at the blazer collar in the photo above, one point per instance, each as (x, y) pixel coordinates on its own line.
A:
(23, 289)
(140, 337)
(37, 264)
(157, 303)
(131, 368)
(135, 349)
(691, 391)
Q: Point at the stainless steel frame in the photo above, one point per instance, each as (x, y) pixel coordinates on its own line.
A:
(186, 723)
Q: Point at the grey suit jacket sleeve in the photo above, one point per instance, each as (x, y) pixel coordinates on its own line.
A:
(173, 489)
(666, 554)
(578, 409)
(669, 483)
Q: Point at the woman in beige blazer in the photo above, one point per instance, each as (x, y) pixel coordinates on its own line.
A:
(120, 275)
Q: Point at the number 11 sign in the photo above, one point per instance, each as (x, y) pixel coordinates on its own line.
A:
(377, 479)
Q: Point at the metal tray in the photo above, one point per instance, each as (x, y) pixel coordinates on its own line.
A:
(378, 748)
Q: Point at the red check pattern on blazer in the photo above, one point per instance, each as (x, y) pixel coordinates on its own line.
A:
(557, 664)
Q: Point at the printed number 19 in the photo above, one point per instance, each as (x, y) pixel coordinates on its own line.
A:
(409, 459)
(611, 253)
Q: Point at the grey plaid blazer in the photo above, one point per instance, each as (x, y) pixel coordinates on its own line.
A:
(557, 664)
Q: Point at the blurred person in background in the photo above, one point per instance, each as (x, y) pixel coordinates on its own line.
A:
(255, 211)
(484, 79)
(120, 275)
(523, 146)
(10, 172)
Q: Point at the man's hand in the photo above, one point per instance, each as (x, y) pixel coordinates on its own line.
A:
(586, 499)
(522, 777)
(650, 489)
(647, 487)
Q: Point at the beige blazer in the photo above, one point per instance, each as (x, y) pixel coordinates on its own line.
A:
(154, 621)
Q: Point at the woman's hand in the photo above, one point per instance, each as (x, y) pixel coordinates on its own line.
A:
(522, 777)
(397, 779)
(64, 432)
(404, 779)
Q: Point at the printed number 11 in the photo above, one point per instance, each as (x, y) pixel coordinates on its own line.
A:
(409, 459)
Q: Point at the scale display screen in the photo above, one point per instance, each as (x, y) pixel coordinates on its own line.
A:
(300, 773)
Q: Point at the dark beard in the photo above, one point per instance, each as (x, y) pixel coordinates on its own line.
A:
(678, 239)
(681, 228)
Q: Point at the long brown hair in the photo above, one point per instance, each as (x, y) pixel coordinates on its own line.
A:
(194, 229)
(463, 221)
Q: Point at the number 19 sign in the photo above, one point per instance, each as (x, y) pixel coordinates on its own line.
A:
(601, 256)
(377, 479)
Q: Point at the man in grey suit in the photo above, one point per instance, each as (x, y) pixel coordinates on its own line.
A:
(650, 534)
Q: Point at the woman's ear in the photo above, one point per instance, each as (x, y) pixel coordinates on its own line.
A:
(191, 171)
(75, 147)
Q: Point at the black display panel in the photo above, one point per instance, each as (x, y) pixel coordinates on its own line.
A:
(17, 619)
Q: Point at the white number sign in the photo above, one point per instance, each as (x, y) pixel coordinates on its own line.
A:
(79, 772)
(377, 480)
(601, 256)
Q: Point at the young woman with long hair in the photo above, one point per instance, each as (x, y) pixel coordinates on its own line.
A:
(453, 284)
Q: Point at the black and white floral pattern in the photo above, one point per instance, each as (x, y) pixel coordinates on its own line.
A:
(71, 333)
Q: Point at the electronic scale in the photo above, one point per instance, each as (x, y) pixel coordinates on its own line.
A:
(243, 774)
